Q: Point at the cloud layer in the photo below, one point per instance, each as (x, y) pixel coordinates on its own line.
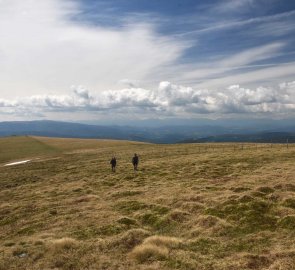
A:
(43, 49)
(167, 100)
(47, 46)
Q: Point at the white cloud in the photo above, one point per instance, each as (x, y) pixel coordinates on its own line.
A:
(252, 55)
(220, 25)
(81, 92)
(223, 66)
(230, 6)
(43, 50)
(168, 99)
(264, 75)
(129, 83)
(273, 28)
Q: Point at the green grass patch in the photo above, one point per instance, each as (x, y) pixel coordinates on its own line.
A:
(240, 189)
(287, 222)
(290, 202)
(127, 221)
(204, 246)
(127, 193)
(90, 232)
(266, 190)
(128, 207)
(250, 216)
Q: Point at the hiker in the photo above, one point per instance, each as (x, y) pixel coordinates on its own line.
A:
(135, 161)
(113, 163)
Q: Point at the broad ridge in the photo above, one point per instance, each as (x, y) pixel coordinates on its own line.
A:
(230, 205)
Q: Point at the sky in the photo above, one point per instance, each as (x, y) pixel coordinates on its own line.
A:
(125, 60)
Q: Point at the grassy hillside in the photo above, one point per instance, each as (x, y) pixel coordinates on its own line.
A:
(66, 144)
(32, 147)
(188, 207)
(18, 147)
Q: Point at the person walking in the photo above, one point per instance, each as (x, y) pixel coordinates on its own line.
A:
(113, 163)
(135, 161)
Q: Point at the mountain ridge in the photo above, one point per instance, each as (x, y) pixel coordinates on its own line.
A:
(158, 134)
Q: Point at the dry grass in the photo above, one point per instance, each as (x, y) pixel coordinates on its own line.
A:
(166, 241)
(130, 239)
(65, 243)
(147, 252)
(188, 207)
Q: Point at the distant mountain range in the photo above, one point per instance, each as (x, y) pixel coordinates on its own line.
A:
(263, 137)
(200, 132)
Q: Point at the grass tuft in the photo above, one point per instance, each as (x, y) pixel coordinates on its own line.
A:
(166, 241)
(64, 243)
(148, 252)
(131, 238)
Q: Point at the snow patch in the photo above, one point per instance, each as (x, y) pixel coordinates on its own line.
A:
(18, 162)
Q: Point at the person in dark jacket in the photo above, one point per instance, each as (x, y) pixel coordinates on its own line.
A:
(135, 161)
(113, 163)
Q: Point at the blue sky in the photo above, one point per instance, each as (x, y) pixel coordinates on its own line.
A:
(102, 59)
(215, 28)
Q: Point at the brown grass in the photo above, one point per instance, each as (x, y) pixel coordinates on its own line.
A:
(130, 239)
(166, 241)
(188, 207)
(147, 252)
(64, 243)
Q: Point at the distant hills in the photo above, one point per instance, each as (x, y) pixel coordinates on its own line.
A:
(66, 130)
(198, 132)
(264, 137)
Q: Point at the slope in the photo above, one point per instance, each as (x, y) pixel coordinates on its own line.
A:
(209, 206)
(19, 147)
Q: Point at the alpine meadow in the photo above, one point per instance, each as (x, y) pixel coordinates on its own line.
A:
(189, 206)
(147, 135)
